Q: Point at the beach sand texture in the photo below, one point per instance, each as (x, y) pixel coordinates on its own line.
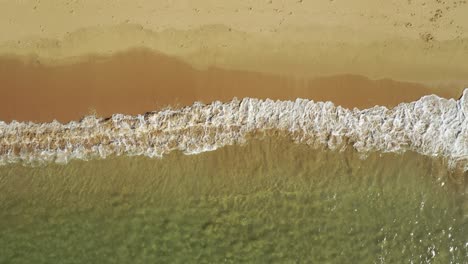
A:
(65, 60)
(136, 171)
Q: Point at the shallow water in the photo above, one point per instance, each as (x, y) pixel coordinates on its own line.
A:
(269, 200)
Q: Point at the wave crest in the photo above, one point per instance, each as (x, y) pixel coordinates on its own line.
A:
(431, 126)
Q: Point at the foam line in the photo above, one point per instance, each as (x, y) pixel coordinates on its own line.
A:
(431, 126)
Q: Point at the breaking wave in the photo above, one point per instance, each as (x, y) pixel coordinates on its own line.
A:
(431, 126)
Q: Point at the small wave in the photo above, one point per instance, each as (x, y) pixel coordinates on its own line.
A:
(431, 126)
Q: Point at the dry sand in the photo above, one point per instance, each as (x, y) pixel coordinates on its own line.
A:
(215, 50)
(445, 20)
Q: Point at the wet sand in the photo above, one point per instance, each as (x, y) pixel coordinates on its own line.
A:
(308, 52)
(418, 41)
(356, 54)
(139, 80)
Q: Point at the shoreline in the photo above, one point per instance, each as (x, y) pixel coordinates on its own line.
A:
(431, 126)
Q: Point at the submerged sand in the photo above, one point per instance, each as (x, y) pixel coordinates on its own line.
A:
(264, 185)
(269, 201)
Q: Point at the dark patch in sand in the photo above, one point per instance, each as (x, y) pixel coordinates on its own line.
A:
(139, 80)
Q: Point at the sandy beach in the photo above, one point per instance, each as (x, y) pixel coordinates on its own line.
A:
(137, 171)
(133, 57)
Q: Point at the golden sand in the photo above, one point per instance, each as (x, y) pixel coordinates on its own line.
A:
(356, 54)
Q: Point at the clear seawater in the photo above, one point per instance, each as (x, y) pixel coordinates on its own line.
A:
(268, 201)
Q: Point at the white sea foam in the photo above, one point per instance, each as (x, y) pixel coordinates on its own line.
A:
(431, 126)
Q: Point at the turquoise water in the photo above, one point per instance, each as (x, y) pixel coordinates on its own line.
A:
(269, 201)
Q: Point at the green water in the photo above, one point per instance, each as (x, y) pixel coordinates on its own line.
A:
(269, 201)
